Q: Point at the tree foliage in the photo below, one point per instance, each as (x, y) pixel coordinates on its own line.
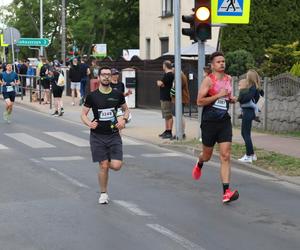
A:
(238, 62)
(271, 22)
(115, 23)
(280, 58)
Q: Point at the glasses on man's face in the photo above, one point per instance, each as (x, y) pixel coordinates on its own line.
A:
(105, 74)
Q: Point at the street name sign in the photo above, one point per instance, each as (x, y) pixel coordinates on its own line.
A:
(230, 11)
(33, 42)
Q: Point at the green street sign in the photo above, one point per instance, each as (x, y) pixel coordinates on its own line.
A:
(33, 42)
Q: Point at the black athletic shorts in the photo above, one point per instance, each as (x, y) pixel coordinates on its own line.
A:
(9, 95)
(57, 91)
(213, 132)
(106, 147)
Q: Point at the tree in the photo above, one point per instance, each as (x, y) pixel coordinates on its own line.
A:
(88, 22)
(280, 58)
(271, 22)
(238, 62)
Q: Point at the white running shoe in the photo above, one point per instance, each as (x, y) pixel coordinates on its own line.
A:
(246, 158)
(5, 115)
(254, 157)
(103, 198)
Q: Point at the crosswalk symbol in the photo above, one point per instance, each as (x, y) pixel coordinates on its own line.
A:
(230, 8)
(230, 11)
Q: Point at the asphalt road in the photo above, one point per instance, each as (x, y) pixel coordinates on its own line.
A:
(49, 194)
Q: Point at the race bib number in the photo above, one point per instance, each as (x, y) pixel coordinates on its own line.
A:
(220, 104)
(106, 115)
(9, 88)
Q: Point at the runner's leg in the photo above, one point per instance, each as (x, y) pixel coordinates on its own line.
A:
(103, 176)
(225, 151)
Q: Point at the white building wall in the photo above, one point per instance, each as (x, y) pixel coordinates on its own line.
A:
(154, 26)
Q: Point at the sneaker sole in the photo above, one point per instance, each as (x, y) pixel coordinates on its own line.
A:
(233, 197)
(103, 203)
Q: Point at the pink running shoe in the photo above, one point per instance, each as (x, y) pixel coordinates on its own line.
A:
(230, 196)
(196, 173)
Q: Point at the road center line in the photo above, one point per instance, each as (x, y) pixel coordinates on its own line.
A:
(133, 208)
(68, 178)
(175, 237)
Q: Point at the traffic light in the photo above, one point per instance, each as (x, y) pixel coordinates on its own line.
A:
(189, 31)
(6, 50)
(202, 22)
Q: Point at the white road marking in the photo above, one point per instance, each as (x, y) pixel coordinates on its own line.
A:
(29, 140)
(171, 154)
(131, 142)
(3, 147)
(70, 179)
(75, 140)
(35, 160)
(133, 208)
(126, 141)
(175, 237)
(128, 156)
(63, 158)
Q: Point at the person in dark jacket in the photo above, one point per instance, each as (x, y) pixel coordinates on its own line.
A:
(75, 78)
(253, 81)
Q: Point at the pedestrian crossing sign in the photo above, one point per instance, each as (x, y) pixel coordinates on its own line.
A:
(230, 11)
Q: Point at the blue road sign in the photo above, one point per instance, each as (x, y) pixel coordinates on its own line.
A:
(230, 7)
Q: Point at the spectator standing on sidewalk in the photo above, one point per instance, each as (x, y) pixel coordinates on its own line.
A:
(45, 81)
(57, 88)
(94, 81)
(105, 139)
(85, 72)
(23, 71)
(75, 78)
(185, 98)
(214, 95)
(165, 85)
(253, 80)
(117, 84)
(30, 76)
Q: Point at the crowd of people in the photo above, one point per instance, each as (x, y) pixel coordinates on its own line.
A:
(106, 98)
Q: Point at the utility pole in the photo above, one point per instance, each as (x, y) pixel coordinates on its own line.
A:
(63, 32)
(41, 26)
(178, 95)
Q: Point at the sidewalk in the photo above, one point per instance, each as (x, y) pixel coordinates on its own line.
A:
(147, 124)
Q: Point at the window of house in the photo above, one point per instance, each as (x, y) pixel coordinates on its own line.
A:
(167, 8)
(164, 45)
(148, 48)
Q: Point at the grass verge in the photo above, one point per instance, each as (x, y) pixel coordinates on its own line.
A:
(278, 163)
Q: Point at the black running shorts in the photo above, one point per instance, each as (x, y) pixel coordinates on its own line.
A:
(106, 147)
(9, 95)
(213, 132)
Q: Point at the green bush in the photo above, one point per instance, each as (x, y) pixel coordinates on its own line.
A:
(295, 70)
(238, 62)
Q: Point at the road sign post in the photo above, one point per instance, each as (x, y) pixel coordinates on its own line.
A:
(41, 42)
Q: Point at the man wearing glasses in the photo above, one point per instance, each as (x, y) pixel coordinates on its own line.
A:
(105, 139)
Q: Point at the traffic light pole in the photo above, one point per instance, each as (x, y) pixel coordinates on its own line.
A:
(178, 95)
(201, 65)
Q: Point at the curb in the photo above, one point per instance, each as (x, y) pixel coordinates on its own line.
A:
(240, 165)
